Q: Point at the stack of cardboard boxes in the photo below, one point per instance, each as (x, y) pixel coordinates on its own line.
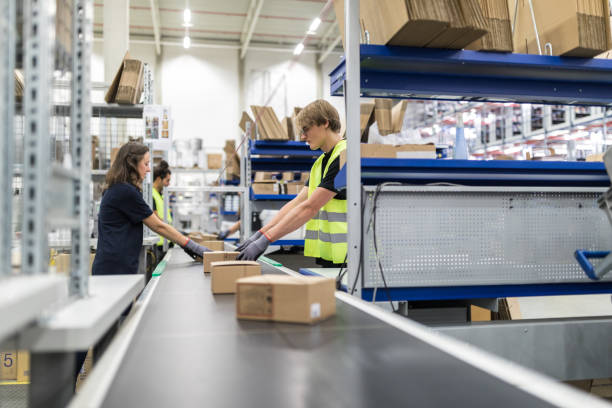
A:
(278, 183)
(268, 125)
(232, 161)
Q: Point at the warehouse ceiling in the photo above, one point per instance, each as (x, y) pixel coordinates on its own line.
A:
(274, 23)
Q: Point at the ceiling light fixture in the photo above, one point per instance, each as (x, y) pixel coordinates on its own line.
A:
(186, 42)
(187, 16)
(298, 49)
(314, 25)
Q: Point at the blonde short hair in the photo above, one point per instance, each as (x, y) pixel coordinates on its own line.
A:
(316, 114)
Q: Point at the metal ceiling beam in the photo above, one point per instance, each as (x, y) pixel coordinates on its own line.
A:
(251, 27)
(155, 16)
(329, 49)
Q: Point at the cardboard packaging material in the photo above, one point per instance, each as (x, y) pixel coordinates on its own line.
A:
(243, 122)
(63, 24)
(294, 188)
(573, 28)
(214, 245)
(498, 25)
(218, 256)
(199, 237)
(288, 176)
(126, 86)
(284, 298)
(23, 366)
(8, 368)
(397, 116)
(416, 151)
(19, 84)
(297, 133)
(265, 175)
(265, 187)
(378, 150)
(214, 160)
(62, 263)
(382, 112)
(224, 275)
(268, 125)
(287, 125)
(467, 24)
(366, 119)
(304, 176)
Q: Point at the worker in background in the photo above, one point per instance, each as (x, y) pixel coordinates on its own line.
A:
(226, 233)
(161, 179)
(120, 225)
(319, 205)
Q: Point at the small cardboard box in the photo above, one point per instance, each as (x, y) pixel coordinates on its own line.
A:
(8, 365)
(225, 274)
(265, 187)
(214, 245)
(214, 160)
(284, 298)
(218, 256)
(199, 237)
(265, 175)
(294, 188)
(23, 366)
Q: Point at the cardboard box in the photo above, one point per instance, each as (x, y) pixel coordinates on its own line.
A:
(573, 28)
(8, 365)
(416, 151)
(214, 160)
(243, 124)
(294, 188)
(288, 176)
(23, 366)
(218, 256)
(287, 125)
(130, 84)
(265, 187)
(268, 125)
(499, 27)
(284, 298)
(114, 152)
(199, 237)
(110, 95)
(378, 150)
(214, 245)
(366, 119)
(62, 263)
(224, 275)
(265, 176)
(382, 112)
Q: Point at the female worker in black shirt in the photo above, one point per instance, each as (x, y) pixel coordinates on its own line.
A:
(122, 213)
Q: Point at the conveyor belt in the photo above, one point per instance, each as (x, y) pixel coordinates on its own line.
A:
(190, 350)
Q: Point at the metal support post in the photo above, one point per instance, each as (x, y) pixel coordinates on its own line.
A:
(245, 181)
(39, 39)
(7, 136)
(80, 118)
(353, 154)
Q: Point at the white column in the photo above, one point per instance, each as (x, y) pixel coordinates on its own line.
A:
(116, 35)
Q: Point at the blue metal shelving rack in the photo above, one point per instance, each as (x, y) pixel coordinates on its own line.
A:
(280, 156)
(423, 73)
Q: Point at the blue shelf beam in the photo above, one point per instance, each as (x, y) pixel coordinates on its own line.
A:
(486, 291)
(481, 173)
(272, 197)
(282, 148)
(301, 164)
(428, 73)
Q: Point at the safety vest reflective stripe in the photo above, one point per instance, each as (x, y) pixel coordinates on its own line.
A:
(330, 216)
(325, 237)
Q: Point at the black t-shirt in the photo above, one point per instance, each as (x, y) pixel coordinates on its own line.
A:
(328, 181)
(120, 230)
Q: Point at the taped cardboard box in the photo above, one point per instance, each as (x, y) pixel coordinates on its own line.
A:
(283, 298)
(573, 28)
(214, 245)
(225, 274)
(214, 160)
(218, 256)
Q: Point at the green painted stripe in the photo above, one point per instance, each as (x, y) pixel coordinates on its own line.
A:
(160, 268)
(270, 261)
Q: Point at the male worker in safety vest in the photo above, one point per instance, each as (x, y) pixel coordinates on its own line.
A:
(161, 179)
(320, 205)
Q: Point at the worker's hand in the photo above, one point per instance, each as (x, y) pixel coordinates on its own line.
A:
(249, 240)
(194, 250)
(222, 235)
(255, 249)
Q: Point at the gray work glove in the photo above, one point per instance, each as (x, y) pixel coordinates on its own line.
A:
(222, 235)
(249, 240)
(255, 249)
(194, 250)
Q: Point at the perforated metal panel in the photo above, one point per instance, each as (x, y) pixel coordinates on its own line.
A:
(450, 236)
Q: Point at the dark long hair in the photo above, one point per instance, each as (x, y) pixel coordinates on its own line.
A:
(125, 166)
(161, 170)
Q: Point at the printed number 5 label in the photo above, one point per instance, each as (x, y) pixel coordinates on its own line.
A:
(7, 360)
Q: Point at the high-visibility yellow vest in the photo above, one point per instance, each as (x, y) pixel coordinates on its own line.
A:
(159, 205)
(326, 232)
